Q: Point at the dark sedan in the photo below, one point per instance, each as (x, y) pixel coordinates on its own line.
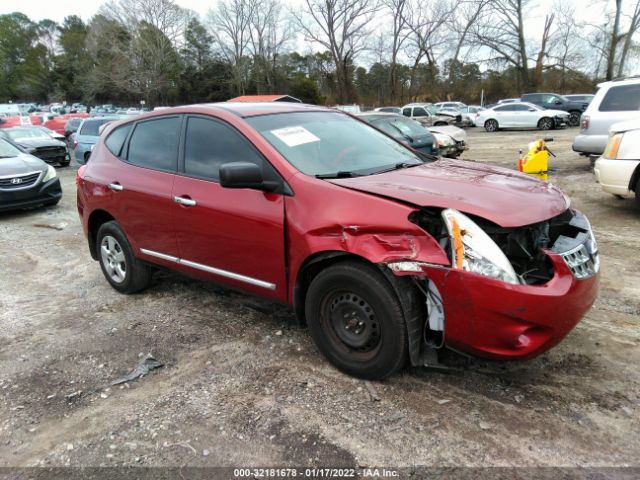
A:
(404, 129)
(25, 181)
(38, 143)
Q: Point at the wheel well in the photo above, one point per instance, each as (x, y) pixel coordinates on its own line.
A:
(96, 219)
(440, 124)
(87, 155)
(408, 295)
(311, 267)
(634, 181)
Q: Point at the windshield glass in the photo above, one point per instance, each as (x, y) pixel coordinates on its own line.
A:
(16, 133)
(324, 143)
(7, 150)
(402, 126)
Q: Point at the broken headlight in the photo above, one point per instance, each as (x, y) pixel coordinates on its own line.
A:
(474, 251)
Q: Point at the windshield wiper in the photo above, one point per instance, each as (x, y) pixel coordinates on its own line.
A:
(339, 174)
(397, 166)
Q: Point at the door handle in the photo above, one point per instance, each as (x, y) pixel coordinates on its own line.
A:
(116, 186)
(187, 202)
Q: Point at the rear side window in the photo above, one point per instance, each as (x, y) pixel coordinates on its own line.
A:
(92, 127)
(506, 108)
(209, 144)
(154, 144)
(625, 98)
(520, 108)
(115, 140)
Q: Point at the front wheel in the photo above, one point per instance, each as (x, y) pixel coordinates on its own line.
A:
(574, 119)
(491, 125)
(120, 267)
(356, 321)
(545, 123)
(638, 193)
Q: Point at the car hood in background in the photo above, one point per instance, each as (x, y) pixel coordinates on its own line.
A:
(39, 142)
(505, 197)
(458, 134)
(557, 113)
(20, 165)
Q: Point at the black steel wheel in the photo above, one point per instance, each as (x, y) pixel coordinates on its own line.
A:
(574, 119)
(356, 320)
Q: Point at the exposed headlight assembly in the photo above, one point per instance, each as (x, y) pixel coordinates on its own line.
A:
(444, 140)
(474, 251)
(50, 175)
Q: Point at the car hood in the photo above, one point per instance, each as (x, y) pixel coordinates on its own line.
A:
(39, 142)
(21, 164)
(458, 134)
(505, 197)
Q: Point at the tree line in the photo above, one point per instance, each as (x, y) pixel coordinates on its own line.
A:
(372, 52)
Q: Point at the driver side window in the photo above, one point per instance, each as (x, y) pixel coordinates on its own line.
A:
(419, 112)
(210, 143)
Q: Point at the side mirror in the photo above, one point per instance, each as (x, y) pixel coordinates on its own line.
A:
(558, 102)
(532, 109)
(245, 175)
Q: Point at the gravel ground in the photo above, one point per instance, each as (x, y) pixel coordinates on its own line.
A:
(242, 384)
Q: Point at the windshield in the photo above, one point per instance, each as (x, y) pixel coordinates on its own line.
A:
(17, 133)
(326, 143)
(401, 127)
(7, 150)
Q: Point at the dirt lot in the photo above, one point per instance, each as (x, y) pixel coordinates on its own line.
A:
(243, 385)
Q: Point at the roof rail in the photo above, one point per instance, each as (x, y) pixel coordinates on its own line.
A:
(619, 79)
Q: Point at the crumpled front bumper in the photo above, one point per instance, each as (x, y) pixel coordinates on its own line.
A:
(492, 319)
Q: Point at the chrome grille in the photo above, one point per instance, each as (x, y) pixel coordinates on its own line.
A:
(16, 182)
(583, 261)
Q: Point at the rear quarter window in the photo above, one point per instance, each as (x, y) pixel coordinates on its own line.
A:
(623, 98)
(115, 140)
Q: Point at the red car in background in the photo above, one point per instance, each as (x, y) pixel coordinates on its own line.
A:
(382, 251)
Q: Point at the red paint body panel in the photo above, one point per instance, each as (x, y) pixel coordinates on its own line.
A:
(269, 237)
(497, 320)
(240, 231)
(505, 197)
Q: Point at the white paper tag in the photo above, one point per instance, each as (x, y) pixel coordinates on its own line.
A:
(294, 136)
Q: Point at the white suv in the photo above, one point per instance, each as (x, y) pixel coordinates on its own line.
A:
(618, 170)
(615, 101)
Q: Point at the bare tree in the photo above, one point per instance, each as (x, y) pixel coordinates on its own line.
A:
(399, 33)
(230, 23)
(628, 37)
(501, 29)
(269, 32)
(425, 21)
(340, 26)
(566, 44)
(468, 13)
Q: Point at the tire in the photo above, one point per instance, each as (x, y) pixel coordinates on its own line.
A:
(638, 193)
(119, 265)
(356, 320)
(65, 164)
(574, 118)
(491, 125)
(545, 123)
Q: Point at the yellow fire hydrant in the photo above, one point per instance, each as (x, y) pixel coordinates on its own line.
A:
(536, 161)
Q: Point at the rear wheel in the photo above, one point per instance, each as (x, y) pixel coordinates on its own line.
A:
(356, 320)
(545, 123)
(638, 193)
(120, 267)
(491, 125)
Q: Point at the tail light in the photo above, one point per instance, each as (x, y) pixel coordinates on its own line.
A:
(79, 174)
(75, 143)
(585, 122)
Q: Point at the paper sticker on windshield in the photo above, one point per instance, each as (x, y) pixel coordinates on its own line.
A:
(294, 136)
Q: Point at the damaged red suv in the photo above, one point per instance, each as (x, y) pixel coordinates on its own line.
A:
(385, 253)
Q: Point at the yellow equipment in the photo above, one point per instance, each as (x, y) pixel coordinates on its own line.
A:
(536, 161)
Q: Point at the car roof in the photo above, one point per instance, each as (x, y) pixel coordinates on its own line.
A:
(380, 114)
(250, 109)
(627, 81)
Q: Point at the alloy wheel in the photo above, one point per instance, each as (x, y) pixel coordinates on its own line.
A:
(113, 259)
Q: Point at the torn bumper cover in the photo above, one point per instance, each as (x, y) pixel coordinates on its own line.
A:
(498, 320)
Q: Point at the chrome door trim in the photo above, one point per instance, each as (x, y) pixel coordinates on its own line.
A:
(159, 255)
(216, 271)
(187, 202)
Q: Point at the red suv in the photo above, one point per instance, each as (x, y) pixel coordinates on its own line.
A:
(382, 251)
